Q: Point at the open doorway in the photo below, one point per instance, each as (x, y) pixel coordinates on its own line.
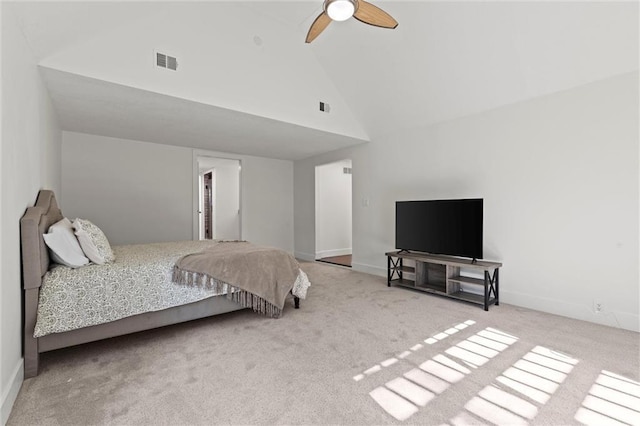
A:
(333, 213)
(208, 219)
(218, 198)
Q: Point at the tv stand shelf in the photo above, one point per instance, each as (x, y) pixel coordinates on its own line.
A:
(441, 275)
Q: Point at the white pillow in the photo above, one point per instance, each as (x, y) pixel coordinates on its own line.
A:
(93, 242)
(63, 245)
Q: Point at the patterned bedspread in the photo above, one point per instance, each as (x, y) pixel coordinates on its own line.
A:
(138, 281)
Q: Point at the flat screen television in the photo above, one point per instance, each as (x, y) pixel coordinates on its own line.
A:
(451, 227)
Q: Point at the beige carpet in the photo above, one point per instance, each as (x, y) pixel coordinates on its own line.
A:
(355, 353)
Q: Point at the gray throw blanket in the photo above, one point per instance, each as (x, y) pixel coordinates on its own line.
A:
(255, 277)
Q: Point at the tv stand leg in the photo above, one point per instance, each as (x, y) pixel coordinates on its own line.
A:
(487, 280)
(496, 289)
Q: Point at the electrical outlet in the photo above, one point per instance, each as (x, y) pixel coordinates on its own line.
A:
(598, 307)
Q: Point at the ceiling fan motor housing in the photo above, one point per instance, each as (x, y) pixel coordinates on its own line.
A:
(340, 10)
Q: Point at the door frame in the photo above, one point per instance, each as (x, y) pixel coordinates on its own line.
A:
(317, 184)
(196, 189)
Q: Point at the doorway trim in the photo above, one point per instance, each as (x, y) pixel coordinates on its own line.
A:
(339, 251)
(195, 205)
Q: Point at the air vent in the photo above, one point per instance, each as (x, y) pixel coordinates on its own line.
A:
(166, 61)
(324, 107)
(346, 170)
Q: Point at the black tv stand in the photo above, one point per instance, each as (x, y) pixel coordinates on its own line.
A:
(441, 275)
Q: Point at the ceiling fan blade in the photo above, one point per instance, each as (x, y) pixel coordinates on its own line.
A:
(373, 15)
(321, 22)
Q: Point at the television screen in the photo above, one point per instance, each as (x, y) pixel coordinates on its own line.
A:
(452, 227)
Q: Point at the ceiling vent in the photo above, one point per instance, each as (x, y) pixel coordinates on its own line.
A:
(166, 61)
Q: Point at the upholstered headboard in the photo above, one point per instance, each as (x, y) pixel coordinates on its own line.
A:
(34, 223)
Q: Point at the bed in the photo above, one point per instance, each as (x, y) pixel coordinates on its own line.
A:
(36, 263)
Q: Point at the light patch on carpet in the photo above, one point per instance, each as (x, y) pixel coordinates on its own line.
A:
(491, 344)
(592, 418)
(467, 356)
(526, 390)
(619, 382)
(372, 370)
(451, 363)
(375, 368)
(549, 362)
(444, 372)
(434, 376)
(554, 355)
(410, 391)
(465, 419)
(616, 396)
(388, 362)
(478, 349)
(492, 412)
(511, 402)
(535, 381)
(427, 381)
(615, 411)
(448, 332)
(398, 407)
(498, 337)
(612, 399)
(417, 347)
(531, 379)
(482, 346)
(540, 370)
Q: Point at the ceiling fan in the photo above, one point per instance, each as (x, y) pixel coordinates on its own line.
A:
(341, 10)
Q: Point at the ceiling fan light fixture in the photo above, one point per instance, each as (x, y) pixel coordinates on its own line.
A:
(340, 10)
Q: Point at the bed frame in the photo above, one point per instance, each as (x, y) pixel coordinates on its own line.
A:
(35, 263)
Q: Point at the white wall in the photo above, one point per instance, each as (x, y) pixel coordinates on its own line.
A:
(136, 192)
(288, 86)
(266, 193)
(227, 201)
(140, 192)
(559, 176)
(333, 210)
(30, 160)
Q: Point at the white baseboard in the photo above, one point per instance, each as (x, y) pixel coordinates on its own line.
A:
(617, 319)
(334, 252)
(625, 320)
(369, 269)
(305, 256)
(10, 395)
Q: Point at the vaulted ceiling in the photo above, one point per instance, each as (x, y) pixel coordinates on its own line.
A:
(247, 82)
